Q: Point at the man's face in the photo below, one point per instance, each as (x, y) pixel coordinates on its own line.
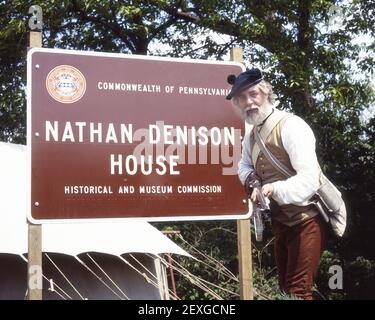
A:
(253, 104)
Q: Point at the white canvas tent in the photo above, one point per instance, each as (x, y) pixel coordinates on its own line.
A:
(111, 246)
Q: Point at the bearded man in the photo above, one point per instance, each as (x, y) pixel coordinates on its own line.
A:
(300, 232)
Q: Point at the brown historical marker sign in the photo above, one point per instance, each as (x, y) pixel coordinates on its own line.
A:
(119, 136)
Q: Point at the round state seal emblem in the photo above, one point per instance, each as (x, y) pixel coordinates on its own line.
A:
(66, 84)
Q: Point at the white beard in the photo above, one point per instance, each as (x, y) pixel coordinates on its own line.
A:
(258, 117)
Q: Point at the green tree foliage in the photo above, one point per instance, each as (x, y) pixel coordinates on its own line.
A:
(319, 71)
(13, 43)
(110, 26)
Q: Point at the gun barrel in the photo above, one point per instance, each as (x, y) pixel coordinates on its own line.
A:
(261, 211)
(262, 201)
(258, 225)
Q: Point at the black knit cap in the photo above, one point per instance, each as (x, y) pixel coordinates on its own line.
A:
(244, 81)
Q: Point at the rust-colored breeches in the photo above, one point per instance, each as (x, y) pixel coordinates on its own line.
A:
(297, 252)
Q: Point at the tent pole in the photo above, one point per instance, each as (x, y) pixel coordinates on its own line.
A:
(243, 231)
(34, 264)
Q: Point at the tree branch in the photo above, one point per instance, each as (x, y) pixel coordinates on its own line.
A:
(162, 27)
(117, 31)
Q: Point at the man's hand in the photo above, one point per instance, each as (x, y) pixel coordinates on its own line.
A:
(251, 181)
(267, 191)
(253, 196)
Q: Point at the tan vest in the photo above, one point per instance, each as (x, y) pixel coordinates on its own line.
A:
(287, 214)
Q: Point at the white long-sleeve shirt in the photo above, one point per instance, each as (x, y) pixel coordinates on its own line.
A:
(299, 142)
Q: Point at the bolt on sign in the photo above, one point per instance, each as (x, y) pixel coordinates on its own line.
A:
(126, 136)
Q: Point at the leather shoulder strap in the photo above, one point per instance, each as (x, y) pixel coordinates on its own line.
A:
(266, 130)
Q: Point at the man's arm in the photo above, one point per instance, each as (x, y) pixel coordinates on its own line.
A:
(299, 142)
(245, 166)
